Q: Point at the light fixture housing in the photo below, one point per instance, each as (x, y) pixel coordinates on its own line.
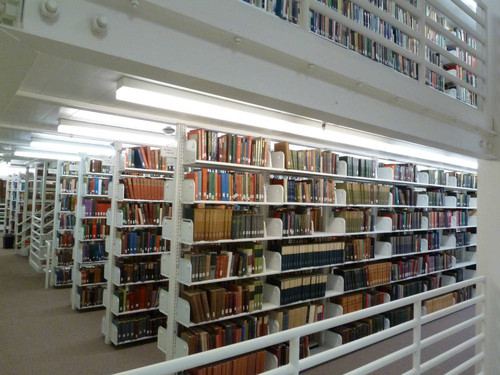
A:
(278, 124)
(70, 147)
(37, 154)
(112, 133)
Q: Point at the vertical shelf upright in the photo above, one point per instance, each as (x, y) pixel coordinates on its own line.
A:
(18, 209)
(3, 193)
(8, 204)
(90, 233)
(61, 257)
(42, 214)
(30, 202)
(141, 195)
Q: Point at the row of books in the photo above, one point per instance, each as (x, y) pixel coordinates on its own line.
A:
(64, 257)
(412, 243)
(357, 249)
(302, 253)
(90, 296)
(97, 185)
(94, 229)
(65, 240)
(93, 252)
(299, 287)
(403, 220)
(463, 238)
(248, 364)
(412, 287)
(357, 220)
(68, 185)
(62, 276)
(217, 223)
(142, 241)
(143, 188)
(389, 6)
(68, 203)
(227, 332)
(137, 297)
(67, 221)
(144, 157)
(144, 213)
(297, 316)
(214, 301)
(97, 166)
(139, 326)
(365, 193)
(139, 271)
(69, 168)
(298, 222)
(402, 171)
(213, 185)
(95, 207)
(243, 261)
(444, 219)
(357, 301)
(410, 267)
(229, 148)
(439, 303)
(306, 190)
(365, 276)
(92, 274)
(331, 29)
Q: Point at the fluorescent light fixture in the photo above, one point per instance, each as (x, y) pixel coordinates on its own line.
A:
(71, 148)
(78, 128)
(118, 121)
(199, 104)
(46, 155)
(62, 138)
(6, 169)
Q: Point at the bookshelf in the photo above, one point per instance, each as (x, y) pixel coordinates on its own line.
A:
(89, 257)
(42, 213)
(141, 196)
(61, 257)
(19, 204)
(30, 197)
(288, 215)
(3, 205)
(437, 44)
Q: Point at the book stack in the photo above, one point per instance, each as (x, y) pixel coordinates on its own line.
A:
(68, 203)
(403, 196)
(407, 267)
(357, 220)
(361, 328)
(302, 253)
(138, 326)
(144, 213)
(144, 157)
(143, 188)
(67, 221)
(299, 287)
(359, 249)
(412, 287)
(399, 316)
(93, 229)
(142, 241)
(138, 297)
(227, 186)
(250, 364)
(95, 207)
(436, 196)
(92, 274)
(306, 190)
(219, 223)
(97, 166)
(298, 316)
(65, 240)
(68, 186)
(227, 332)
(210, 265)
(62, 276)
(463, 238)
(436, 176)
(365, 276)
(97, 186)
(229, 148)
(402, 172)
(138, 270)
(93, 252)
(64, 257)
(403, 220)
(214, 302)
(404, 243)
(69, 168)
(357, 301)
(298, 221)
(90, 296)
(365, 193)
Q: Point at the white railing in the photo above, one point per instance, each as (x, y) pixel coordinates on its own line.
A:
(293, 337)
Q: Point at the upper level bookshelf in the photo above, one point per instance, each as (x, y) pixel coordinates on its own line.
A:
(438, 43)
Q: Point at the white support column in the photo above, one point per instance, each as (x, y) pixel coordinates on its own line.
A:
(417, 336)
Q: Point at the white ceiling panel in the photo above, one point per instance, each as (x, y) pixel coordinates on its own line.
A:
(43, 71)
(27, 111)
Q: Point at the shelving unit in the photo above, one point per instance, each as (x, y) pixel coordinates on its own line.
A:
(374, 227)
(140, 196)
(42, 213)
(89, 233)
(7, 228)
(3, 193)
(18, 213)
(31, 197)
(61, 257)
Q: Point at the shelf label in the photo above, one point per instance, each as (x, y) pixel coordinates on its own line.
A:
(169, 152)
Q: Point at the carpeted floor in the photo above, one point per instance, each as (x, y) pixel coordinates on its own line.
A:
(41, 335)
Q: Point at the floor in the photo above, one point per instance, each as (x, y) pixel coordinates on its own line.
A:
(40, 334)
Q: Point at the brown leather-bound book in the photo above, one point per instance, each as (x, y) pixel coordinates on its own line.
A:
(205, 305)
(285, 148)
(191, 297)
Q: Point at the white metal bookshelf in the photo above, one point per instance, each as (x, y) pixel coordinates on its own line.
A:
(88, 250)
(3, 204)
(42, 214)
(179, 270)
(59, 274)
(130, 295)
